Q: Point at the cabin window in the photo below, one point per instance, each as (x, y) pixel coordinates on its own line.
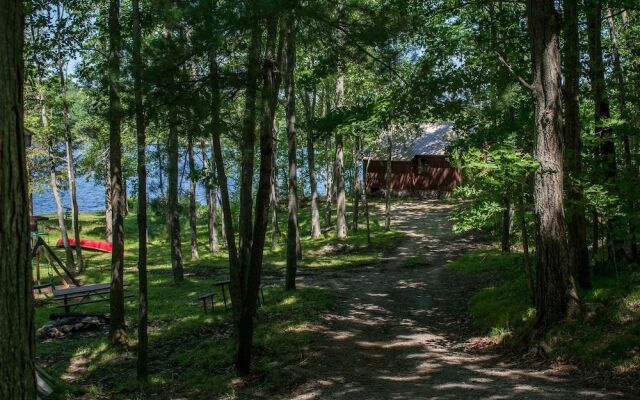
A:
(423, 164)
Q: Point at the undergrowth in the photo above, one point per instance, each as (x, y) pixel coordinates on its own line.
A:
(606, 335)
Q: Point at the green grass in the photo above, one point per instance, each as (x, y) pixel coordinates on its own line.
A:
(190, 352)
(605, 336)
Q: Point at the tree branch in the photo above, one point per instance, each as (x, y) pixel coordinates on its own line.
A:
(509, 68)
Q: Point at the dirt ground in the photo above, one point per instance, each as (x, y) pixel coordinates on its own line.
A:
(401, 330)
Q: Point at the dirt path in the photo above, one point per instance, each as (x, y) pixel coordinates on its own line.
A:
(399, 331)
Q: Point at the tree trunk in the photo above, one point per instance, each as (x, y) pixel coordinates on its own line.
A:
(108, 227)
(193, 217)
(143, 304)
(293, 235)
(365, 199)
(212, 199)
(329, 188)
(631, 172)
(117, 325)
(240, 276)
(310, 107)
(357, 182)
(71, 170)
(53, 181)
(17, 346)
(341, 201)
(273, 193)
(506, 224)
(273, 199)
(247, 147)
(173, 201)
(524, 232)
(161, 168)
(389, 183)
(601, 105)
(576, 219)
(218, 162)
(556, 296)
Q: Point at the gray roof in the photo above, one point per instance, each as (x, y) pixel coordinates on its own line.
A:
(430, 139)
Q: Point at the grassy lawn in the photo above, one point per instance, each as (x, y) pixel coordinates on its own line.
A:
(606, 336)
(191, 354)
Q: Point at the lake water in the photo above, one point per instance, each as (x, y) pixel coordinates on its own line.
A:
(91, 194)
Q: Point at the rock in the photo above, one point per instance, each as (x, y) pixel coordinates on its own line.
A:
(71, 325)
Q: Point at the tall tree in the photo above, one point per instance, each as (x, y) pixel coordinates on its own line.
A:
(71, 169)
(293, 235)
(341, 200)
(240, 272)
(576, 219)
(141, 141)
(309, 101)
(117, 324)
(602, 111)
(173, 148)
(556, 296)
(212, 199)
(631, 172)
(53, 182)
(193, 217)
(17, 347)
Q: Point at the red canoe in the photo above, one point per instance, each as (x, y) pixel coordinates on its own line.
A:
(98, 245)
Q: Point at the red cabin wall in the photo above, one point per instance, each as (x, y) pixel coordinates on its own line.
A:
(436, 174)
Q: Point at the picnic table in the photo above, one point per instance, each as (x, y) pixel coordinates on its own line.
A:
(227, 283)
(86, 294)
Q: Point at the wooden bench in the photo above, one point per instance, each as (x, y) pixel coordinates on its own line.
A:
(204, 298)
(84, 294)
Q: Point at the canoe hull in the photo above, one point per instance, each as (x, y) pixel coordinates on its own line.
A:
(97, 245)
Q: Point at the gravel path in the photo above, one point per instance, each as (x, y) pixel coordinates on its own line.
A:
(402, 332)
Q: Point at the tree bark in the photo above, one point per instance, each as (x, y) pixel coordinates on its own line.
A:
(556, 296)
(240, 276)
(273, 194)
(506, 224)
(247, 146)
(117, 325)
(193, 217)
(365, 199)
(602, 110)
(293, 234)
(389, 182)
(17, 346)
(524, 232)
(141, 140)
(212, 200)
(108, 214)
(273, 198)
(576, 218)
(218, 162)
(71, 171)
(357, 182)
(631, 172)
(310, 107)
(329, 188)
(53, 182)
(173, 203)
(341, 201)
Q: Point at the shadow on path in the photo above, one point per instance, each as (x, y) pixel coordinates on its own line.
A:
(399, 329)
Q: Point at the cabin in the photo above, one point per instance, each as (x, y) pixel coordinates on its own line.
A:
(419, 166)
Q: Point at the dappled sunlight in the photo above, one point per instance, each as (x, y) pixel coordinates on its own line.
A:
(400, 330)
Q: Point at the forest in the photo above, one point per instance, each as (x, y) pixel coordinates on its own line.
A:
(313, 199)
